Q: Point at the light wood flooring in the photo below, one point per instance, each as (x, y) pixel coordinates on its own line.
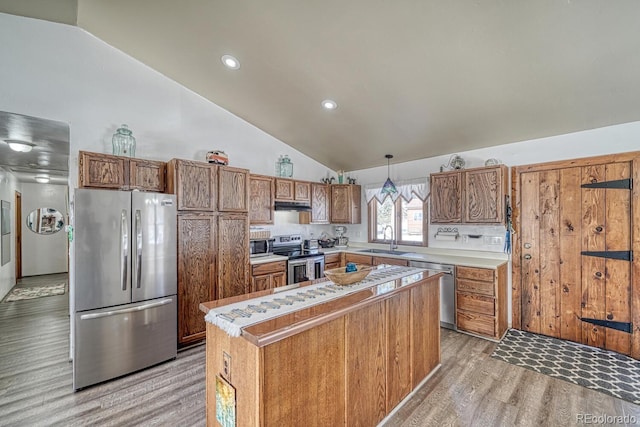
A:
(470, 389)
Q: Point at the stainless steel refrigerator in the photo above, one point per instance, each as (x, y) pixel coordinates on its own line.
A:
(125, 305)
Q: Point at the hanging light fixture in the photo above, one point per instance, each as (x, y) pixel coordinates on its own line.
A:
(388, 187)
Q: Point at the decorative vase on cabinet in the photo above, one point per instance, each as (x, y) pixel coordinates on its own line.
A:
(124, 144)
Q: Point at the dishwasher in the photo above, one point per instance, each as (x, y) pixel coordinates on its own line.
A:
(447, 290)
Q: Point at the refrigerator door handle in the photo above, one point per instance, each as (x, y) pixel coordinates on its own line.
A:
(124, 248)
(138, 258)
(125, 310)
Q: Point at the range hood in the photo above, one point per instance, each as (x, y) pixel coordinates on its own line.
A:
(292, 206)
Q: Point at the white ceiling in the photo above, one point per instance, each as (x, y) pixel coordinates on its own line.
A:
(412, 78)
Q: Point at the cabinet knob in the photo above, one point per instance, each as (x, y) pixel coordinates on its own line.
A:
(527, 256)
(527, 245)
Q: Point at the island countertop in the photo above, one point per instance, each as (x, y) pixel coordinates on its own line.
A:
(286, 325)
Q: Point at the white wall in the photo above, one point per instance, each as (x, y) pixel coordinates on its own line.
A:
(43, 253)
(612, 139)
(8, 187)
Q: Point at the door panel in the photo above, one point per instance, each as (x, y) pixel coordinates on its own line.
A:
(102, 230)
(530, 230)
(570, 259)
(618, 272)
(154, 247)
(593, 268)
(549, 254)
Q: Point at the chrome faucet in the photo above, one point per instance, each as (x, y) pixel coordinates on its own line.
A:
(392, 244)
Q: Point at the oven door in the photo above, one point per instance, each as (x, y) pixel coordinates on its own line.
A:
(297, 271)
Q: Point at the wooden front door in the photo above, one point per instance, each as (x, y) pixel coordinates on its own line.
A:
(573, 255)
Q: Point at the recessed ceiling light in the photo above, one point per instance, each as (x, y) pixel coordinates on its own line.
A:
(20, 146)
(230, 62)
(329, 104)
(42, 179)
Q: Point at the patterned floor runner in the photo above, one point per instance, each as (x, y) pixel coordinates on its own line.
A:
(32, 292)
(605, 371)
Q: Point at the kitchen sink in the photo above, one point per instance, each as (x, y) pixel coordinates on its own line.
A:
(382, 251)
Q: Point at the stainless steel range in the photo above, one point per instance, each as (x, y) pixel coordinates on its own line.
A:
(304, 263)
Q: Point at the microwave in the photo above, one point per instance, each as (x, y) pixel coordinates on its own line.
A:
(260, 247)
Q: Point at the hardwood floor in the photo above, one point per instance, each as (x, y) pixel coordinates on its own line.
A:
(36, 375)
(470, 389)
(473, 389)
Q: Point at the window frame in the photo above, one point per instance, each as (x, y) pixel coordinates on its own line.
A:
(372, 214)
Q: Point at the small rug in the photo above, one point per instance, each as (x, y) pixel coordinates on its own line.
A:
(18, 294)
(601, 370)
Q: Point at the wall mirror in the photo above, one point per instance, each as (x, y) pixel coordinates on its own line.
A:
(45, 221)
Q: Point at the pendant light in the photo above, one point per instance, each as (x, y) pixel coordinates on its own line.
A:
(388, 187)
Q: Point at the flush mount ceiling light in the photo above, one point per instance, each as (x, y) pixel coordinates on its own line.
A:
(230, 62)
(388, 187)
(20, 146)
(329, 104)
(42, 179)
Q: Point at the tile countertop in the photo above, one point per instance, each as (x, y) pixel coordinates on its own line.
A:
(445, 256)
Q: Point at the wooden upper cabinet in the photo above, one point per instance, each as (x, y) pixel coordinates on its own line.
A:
(345, 204)
(147, 175)
(103, 170)
(285, 189)
(233, 189)
(98, 170)
(473, 196)
(302, 191)
(446, 198)
(194, 184)
(320, 206)
(261, 199)
(485, 191)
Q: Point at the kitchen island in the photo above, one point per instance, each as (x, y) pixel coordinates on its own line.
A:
(347, 361)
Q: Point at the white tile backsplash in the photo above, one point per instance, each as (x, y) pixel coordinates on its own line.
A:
(286, 222)
(488, 238)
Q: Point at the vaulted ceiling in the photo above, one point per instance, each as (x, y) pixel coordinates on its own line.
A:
(412, 78)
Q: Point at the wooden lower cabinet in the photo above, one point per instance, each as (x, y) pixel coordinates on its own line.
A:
(233, 255)
(358, 259)
(213, 263)
(481, 301)
(196, 273)
(377, 260)
(332, 260)
(350, 370)
(268, 275)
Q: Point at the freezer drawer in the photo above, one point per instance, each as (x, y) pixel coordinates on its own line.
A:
(119, 340)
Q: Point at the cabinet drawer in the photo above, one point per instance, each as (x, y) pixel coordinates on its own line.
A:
(391, 261)
(331, 265)
(358, 259)
(483, 274)
(332, 258)
(268, 268)
(483, 288)
(475, 303)
(478, 323)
